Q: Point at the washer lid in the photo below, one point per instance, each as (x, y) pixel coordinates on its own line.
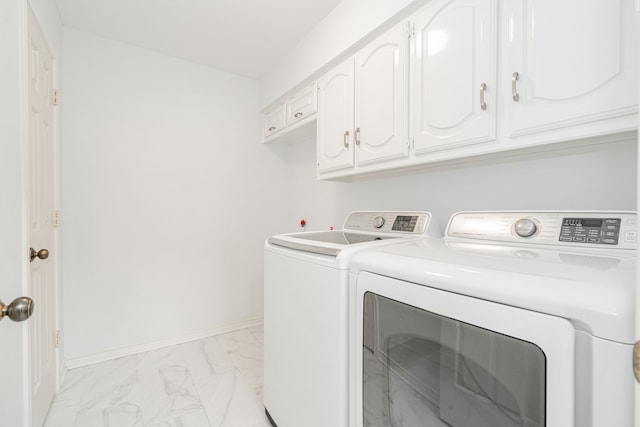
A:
(332, 237)
(361, 228)
(341, 237)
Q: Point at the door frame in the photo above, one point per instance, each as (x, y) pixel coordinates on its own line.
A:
(51, 374)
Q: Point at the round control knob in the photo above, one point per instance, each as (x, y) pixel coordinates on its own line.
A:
(378, 222)
(525, 227)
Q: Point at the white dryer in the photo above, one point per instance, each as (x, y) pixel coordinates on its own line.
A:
(306, 302)
(513, 319)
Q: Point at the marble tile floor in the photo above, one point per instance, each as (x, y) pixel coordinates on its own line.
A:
(212, 382)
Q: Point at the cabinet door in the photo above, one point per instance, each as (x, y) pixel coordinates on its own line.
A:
(335, 118)
(302, 105)
(576, 62)
(274, 120)
(454, 74)
(381, 98)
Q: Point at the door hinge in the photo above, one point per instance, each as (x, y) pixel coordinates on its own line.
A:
(54, 97)
(56, 218)
(58, 338)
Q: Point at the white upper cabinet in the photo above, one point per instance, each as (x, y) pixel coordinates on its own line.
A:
(335, 118)
(480, 77)
(380, 98)
(302, 105)
(453, 74)
(294, 119)
(570, 63)
(362, 106)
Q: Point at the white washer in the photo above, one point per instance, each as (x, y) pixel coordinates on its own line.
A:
(306, 327)
(513, 319)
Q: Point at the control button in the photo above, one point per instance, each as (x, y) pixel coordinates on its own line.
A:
(610, 233)
(378, 222)
(579, 239)
(609, 241)
(593, 240)
(630, 236)
(525, 227)
(566, 238)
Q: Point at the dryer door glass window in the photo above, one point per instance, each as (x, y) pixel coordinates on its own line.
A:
(422, 369)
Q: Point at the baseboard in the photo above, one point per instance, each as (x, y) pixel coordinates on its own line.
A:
(128, 351)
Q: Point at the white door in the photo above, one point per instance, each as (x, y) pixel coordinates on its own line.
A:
(381, 98)
(636, 401)
(575, 62)
(12, 261)
(637, 383)
(42, 284)
(335, 118)
(454, 74)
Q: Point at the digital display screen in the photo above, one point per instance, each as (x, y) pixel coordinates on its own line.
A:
(405, 223)
(582, 222)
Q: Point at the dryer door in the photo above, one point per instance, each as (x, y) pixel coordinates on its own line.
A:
(431, 358)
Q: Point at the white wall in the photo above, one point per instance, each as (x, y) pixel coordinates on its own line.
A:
(167, 197)
(340, 31)
(46, 12)
(601, 177)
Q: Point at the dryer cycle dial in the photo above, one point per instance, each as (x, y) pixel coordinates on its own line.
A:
(525, 227)
(378, 222)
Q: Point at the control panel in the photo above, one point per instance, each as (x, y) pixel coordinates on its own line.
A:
(601, 231)
(389, 222)
(564, 228)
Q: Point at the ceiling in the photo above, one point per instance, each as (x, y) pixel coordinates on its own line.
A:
(245, 37)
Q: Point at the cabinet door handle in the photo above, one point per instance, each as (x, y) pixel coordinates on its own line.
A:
(357, 136)
(298, 114)
(514, 86)
(483, 89)
(272, 128)
(346, 139)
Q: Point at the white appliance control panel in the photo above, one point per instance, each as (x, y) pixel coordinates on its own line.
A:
(388, 222)
(606, 229)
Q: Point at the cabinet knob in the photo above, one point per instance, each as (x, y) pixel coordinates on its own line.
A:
(271, 129)
(298, 114)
